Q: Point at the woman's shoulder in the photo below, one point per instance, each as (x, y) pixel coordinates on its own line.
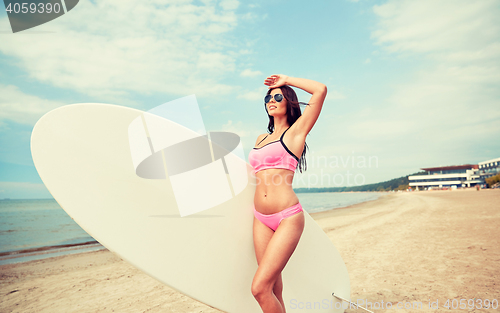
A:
(260, 137)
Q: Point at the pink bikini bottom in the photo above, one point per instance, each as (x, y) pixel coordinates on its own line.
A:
(273, 220)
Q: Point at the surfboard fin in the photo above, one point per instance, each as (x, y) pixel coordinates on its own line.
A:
(358, 306)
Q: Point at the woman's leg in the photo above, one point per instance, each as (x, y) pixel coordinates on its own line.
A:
(279, 249)
(278, 291)
(262, 234)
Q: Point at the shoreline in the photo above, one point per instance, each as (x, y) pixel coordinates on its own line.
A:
(45, 248)
(400, 248)
(44, 252)
(321, 214)
(47, 252)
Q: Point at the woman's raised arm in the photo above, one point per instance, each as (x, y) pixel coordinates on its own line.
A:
(311, 113)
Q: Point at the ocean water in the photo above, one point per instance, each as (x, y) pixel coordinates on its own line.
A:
(324, 201)
(39, 228)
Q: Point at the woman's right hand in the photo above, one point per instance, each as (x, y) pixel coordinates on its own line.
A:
(275, 81)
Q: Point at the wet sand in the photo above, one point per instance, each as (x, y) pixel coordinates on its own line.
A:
(403, 248)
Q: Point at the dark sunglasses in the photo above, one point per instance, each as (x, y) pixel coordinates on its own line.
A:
(278, 97)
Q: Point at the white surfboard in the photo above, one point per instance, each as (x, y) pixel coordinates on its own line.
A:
(85, 156)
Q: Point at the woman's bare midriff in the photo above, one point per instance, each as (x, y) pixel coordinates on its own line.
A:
(274, 191)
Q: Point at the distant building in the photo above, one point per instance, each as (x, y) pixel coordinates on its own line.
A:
(489, 168)
(447, 176)
(467, 175)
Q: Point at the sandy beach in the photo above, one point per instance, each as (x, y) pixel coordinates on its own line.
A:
(403, 248)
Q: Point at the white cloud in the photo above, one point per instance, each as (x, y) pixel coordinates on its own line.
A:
(110, 47)
(22, 108)
(229, 4)
(447, 112)
(257, 94)
(250, 73)
(238, 128)
(335, 95)
(452, 95)
(437, 26)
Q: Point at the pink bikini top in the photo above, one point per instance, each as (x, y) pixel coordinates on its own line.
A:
(272, 155)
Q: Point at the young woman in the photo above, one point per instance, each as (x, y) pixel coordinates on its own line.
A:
(279, 219)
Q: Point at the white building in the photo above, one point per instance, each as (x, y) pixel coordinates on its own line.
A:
(447, 176)
(467, 175)
(489, 168)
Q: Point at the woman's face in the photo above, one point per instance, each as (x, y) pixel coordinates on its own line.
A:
(275, 108)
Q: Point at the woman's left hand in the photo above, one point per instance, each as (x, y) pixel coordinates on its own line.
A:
(275, 81)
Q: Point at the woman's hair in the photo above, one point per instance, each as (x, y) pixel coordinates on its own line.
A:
(292, 114)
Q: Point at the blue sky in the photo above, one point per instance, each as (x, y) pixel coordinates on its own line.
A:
(411, 84)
